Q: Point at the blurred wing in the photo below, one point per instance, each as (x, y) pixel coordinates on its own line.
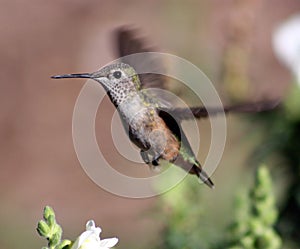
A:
(128, 44)
(158, 98)
(203, 112)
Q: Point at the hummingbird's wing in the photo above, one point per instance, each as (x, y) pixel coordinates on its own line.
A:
(203, 112)
(128, 44)
(156, 97)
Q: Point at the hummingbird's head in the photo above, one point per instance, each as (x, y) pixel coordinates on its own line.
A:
(119, 80)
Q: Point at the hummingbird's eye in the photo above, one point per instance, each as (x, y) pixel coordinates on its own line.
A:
(117, 74)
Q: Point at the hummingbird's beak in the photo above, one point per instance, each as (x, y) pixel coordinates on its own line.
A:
(75, 75)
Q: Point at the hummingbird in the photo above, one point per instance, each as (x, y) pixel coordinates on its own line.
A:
(155, 128)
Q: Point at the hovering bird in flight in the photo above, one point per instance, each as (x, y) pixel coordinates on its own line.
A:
(155, 128)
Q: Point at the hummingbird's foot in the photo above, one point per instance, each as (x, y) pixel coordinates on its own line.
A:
(149, 159)
(145, 157)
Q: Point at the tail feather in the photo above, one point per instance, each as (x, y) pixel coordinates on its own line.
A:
(194, 168)
(202, 176)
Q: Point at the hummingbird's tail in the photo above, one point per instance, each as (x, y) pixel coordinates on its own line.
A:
(194, 167)
(202, 175)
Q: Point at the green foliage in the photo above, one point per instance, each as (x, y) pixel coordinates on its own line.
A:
(49, 229)
(255, 217)
(181, 217)
(241, 216)
(282, 139)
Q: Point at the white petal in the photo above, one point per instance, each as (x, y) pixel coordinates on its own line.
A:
(90, 239)
(90, 225)
(286, 44)
(86, 237)
(108, 243)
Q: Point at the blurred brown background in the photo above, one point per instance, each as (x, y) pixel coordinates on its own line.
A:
(42, 38)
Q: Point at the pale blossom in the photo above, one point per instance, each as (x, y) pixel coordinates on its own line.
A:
(90, 239)
(286, 44)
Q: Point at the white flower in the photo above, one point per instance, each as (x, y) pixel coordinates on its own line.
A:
(286, 44)
(90, 239)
